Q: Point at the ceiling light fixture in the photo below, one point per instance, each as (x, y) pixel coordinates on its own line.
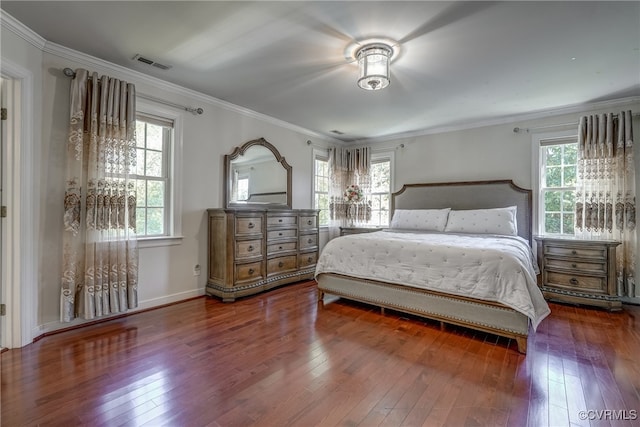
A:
(373, 61)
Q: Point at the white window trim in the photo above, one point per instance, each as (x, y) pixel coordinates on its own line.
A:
(323, 154)
(174, 236)
(391, 156)
(536, 140)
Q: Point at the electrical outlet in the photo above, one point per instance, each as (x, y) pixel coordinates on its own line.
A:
(196, 270)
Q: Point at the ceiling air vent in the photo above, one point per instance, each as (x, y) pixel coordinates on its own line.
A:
(147, 61)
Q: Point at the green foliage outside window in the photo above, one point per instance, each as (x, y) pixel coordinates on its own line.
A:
(152, 179)
(558, 187)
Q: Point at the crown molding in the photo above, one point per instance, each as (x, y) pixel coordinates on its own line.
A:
(127, 73)
(18, 28)
(541, 114)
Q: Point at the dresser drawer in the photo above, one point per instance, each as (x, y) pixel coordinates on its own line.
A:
(308, 259)
(308, 241)
(576, 266)
(249, 272)
(576, 282)
(248, 248)
(580, 252)
(282, 234)
(248, 225)
(281, 264)
(283, 220)
(281, 247)
(308, 222)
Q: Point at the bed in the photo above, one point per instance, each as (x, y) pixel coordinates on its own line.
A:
(459, 253)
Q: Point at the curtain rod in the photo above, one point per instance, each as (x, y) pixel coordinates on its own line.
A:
(70, 73)
(574, 124)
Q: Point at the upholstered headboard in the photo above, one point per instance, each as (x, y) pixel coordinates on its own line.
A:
(468, 195)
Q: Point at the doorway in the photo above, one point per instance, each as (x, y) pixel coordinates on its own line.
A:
(3, 148)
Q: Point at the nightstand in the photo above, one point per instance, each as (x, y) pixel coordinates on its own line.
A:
(358, 230)
(579, 271)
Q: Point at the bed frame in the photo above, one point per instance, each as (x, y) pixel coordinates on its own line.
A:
(472, 313)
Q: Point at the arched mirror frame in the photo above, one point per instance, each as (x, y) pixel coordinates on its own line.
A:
(241, 150)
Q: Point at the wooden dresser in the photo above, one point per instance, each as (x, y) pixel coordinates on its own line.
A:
(579, 271)
(253, 250)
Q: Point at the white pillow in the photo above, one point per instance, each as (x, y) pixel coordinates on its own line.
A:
(484, 221)
(420, 219)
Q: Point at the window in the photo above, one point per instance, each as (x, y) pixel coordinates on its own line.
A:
(321, 188)
(557, 183)
(380, 195)
(153, 141)
(380, 191)
(243, 188)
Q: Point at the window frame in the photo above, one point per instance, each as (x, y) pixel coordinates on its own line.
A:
(322, 155)
(379, 157)
(538, 142)
(173, 217)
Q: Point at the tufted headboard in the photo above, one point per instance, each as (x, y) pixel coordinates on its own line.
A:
(468, 195)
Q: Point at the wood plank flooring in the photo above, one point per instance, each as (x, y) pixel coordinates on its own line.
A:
(280, 359)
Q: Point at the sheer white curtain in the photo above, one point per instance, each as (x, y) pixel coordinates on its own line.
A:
(100, 253)
(349, 168)
(605, 196)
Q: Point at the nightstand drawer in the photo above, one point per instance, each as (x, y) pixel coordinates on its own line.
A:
(576, 266)
(579, 271)
(573, 252)
(576, 282)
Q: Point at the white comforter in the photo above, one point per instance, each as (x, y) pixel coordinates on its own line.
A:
(488, 267)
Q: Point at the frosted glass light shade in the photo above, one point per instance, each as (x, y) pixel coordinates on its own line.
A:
(373, 60)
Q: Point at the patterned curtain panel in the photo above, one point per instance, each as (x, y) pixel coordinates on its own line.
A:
(605, 197)
(100, 253)
(349, 171)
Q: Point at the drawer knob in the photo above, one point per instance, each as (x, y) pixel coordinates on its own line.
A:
(250, 248)
(310, 241)
(280, 264)
(251, 225)
(573, 281)
(279, 247)
(574, 265)
(309, 222)
(279, 234)
(574, 252)
(309, 259)
(251, 271)
(280, 220)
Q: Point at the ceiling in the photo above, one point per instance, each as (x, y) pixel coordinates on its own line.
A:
(458, 62)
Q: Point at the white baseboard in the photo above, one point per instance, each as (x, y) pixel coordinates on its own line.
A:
(142, 305)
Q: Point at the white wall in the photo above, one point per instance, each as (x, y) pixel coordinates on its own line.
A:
(488, 152)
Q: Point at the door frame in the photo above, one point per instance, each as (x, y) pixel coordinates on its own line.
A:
(19, 255)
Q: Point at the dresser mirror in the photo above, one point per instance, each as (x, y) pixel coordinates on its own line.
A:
(256, 175)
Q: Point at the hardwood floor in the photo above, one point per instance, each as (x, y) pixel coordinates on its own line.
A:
(280, 359)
